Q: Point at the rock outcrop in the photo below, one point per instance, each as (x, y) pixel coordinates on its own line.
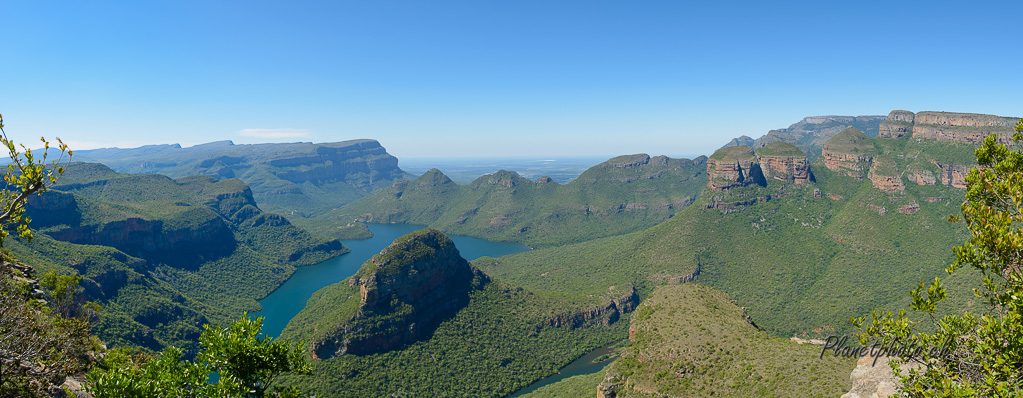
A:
(619, 301)
(733, 167)
(873, 378)
(885, 176)
(784, 162)
(405, 291)
(898, 124)
(953, 174)
(969, 128)
(848, 153)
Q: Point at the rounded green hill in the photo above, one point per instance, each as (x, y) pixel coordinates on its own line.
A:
(849, 140)
(733, 153)
(779, 148)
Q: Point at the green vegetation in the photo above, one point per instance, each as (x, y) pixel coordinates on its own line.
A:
(733, 153)
(802, 262)
(490, 348)
(779, 148)
(299, 181)
(247, 365)
(985, 353)
(694, 341)
(163, 256)
(622, 195)
(572, 387)
(850, 140)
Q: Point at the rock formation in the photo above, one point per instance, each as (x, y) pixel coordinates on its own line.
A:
(733, 167)
(969, 128)
(884, 175)
(784, 162)
(953, 174)
(898, 124)
(405, 291)
(848, 153)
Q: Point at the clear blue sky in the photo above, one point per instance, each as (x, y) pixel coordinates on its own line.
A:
(492, 78)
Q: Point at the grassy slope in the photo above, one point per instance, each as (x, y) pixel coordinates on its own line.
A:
(691, 340)
(607, 200)
(803, 265)
(154, 299)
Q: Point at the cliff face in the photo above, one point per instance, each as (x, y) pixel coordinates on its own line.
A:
(969, 128)
(405, 291)
(620, 301)
(884, 175)
(736, 166)
(784, 162)
(898, 124)
(848, 153)
(732, 167)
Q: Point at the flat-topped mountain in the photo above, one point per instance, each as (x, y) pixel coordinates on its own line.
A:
(294, 179)
(623, 194)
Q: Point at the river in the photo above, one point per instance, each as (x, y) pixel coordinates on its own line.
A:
(582, 366)
(285, 302)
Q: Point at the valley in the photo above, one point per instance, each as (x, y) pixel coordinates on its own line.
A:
(691, 267)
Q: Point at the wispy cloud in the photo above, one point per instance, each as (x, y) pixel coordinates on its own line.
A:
(274, 133)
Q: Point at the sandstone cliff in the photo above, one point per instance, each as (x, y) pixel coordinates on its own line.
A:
(733, 167)
(969, 128)
(404, 292)
(849, 153)
(784, 162)
(885, 176)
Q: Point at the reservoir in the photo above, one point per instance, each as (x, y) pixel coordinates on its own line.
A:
(285, 302)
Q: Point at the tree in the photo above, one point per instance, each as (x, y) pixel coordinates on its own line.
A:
(26, 175)
(985, 352)
(246, 362)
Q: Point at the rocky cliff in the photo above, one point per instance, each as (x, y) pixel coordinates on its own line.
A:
(404, 292)
(618, 302)
(885, 176)
(849, 152)
(733, 167)
(784, 162)
(969, 128)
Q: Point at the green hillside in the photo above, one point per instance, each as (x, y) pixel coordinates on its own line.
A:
(621, 195)
(164, 256)
(802, 258)
(692, 341)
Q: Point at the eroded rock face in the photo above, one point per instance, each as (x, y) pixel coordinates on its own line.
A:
(953, 174)
(875, 380)
(969, 128)
(405, 291)
(784, 162)
(733, 167)
(898, 124)
(884, 176)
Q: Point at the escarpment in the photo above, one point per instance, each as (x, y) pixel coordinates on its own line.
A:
(404, 292)
(968, 128)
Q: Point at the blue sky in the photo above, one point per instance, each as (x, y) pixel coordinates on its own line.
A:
(492, 78)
